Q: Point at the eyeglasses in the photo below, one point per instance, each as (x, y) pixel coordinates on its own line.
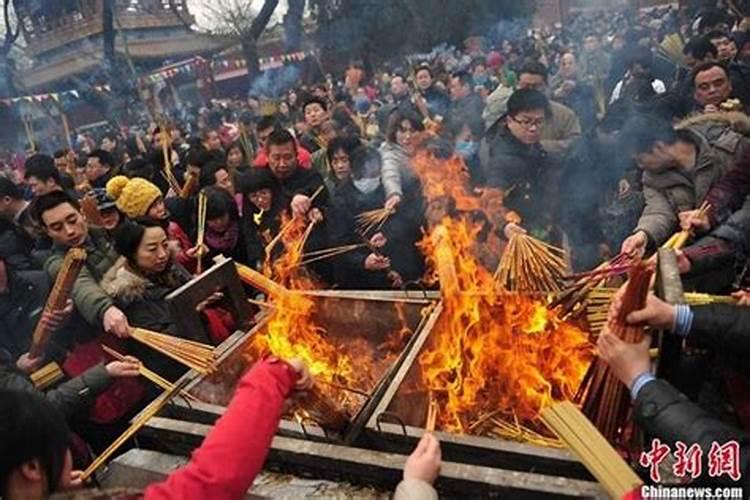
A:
(527, 123)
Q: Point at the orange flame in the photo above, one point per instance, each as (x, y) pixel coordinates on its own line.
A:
(492, 352)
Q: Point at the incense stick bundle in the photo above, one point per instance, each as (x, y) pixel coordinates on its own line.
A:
(599, 457)
(322, 410)
(167, 171)
(74, 261)
(149, 412)
(432, 410)
(148, 374)
(328, 253)
(530, 265)
(201, 233)
(606, 400)
(66, 128)
(257, 280)
(245, 143)
(90, 209)
(194, 355)
(678, 240)
(445, 263)
(289, 225)
(373, 219)
(672, 48)
(47, 375)
(190, 182)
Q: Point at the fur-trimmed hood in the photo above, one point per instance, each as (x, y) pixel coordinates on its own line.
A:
(126, 287)
(736, 120)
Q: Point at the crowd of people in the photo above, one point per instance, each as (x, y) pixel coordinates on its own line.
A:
(599, 140)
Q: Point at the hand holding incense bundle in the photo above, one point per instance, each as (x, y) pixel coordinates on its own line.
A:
(530, 265)
(289, 225)
(148, 374)
(58, 297)
(91, 210)
(190, 182)
(599, 457)
(678, 240)
(201, 223)
(607, 400)
(47, 375)
(194, 355)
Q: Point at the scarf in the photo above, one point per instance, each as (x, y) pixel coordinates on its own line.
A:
(223, 242)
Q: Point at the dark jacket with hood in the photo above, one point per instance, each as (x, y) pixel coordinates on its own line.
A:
(144, 302)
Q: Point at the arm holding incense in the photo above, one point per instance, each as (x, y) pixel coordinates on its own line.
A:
(664, 412)
(421, 469)
(234, 451)
(658, 221)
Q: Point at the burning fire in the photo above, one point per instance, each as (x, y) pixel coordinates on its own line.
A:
(495, 355)
(292, 333)
(494, 352)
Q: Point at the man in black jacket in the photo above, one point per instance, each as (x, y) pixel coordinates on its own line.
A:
(519, 166)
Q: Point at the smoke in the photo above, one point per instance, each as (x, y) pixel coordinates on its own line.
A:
(275, 82)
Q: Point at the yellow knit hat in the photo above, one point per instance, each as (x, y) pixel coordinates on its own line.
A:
(133, 197)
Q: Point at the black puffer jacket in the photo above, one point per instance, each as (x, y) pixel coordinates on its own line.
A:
(144, 303)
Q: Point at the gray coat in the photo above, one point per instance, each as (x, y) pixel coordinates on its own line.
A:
(671, 191)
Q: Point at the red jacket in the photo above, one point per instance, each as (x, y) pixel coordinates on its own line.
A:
(234, 451)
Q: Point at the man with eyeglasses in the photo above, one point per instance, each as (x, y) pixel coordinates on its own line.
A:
(519, 166)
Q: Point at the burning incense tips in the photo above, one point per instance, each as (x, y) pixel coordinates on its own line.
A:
(201, 233)
(530, 265)
(194, 355)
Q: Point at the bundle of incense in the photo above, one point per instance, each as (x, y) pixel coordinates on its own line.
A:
(606, 400)
(148, 374)
(47, 375)
(201, 232)
(606, 272)
(315, 256)
(257, 280)
(66, 128)
(320, 409)
(166, 150)
(74, 261)
(432, 411)
(194, 355)
(517, 432)
(531, 265)
(245, 143)
(289, 224)
(191, 181)
(445, 263)
(147, 414)
(29, 128)
(90, 209)
(373, 220)
(678, 240)
(599, 457)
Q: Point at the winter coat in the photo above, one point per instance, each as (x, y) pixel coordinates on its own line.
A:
(527, 174)
(302, 181)
(349, 269)
(144, 303)
(20, 309)
(91, 302)
(259, 233)
(438, 102)
(70, 397)
(671, 191)
(580, 100)
(234, 451)
(664, 412)
(466, 110)
(397, 175)
(561, 129)
(415, 489)
(17, 248)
